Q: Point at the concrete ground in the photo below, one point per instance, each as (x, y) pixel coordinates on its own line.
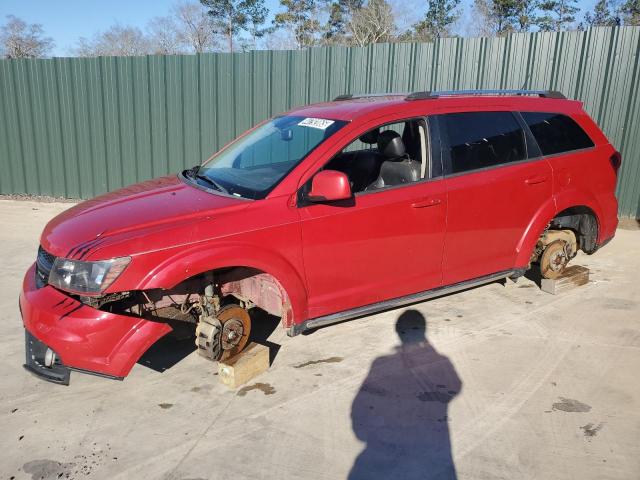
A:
(510, 383)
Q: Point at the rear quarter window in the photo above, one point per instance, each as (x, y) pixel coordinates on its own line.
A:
(556, 133)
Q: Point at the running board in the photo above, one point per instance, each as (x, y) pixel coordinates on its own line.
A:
(397, 302)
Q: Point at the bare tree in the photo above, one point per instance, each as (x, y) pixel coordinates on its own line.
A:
(118, 40)
(280, 40)
(19, 39)
(164, 36)
(188, 29)
(196, 28)
(372, 23)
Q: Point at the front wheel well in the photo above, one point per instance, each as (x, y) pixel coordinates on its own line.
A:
(258, 288)
(186, 301)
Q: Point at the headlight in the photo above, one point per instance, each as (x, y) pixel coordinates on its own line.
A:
(86, 277)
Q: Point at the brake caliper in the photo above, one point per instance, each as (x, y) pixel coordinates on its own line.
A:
(209, 338)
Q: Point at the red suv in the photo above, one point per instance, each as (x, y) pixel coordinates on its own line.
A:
(325, 213)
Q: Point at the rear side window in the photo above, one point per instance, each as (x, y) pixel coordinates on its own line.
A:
(556, 133)
(482, 139)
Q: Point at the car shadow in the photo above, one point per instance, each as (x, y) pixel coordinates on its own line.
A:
(401, 410)
(169, 350)
(180, 343)
(534, 275)
(263, 325)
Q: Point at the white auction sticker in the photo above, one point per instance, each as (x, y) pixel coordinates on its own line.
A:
(320, 123)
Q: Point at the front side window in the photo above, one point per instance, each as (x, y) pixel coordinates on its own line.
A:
(556, 133)
(478, 140)
(254, 164)
(389, 155)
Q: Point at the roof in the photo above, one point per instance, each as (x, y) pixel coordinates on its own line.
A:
(351, 107)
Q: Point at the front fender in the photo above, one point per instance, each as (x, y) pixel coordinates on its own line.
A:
(202, 258)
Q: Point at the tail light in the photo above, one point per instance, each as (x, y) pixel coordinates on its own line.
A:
(616, 161)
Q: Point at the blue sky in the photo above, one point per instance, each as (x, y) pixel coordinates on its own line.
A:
(67, 20)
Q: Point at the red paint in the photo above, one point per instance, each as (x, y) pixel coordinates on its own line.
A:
(329, 185)
(83, 337)
(326, 257)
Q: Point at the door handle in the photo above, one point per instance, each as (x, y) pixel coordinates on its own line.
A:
(427, 202)
(535, 180)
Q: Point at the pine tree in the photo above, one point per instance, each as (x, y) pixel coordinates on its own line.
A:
(340, 12)
(235, 16)
(496, 17)
(300, 17)
(631, 12)
(525, 14)
(557, 14)
(602, 15)
(440, 16)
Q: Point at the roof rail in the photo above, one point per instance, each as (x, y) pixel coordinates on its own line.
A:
(353, 96)
(451, 93)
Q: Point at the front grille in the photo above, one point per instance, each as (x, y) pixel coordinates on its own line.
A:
(44, 264)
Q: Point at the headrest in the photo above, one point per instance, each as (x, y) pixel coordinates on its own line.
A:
(371, 137)
(390, 144)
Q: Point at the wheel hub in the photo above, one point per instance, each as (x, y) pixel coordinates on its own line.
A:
(554, 259)
(232, 333)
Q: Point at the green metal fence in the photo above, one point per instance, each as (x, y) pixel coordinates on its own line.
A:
(76, 127)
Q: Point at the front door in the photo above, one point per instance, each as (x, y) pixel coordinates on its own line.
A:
(385, 243)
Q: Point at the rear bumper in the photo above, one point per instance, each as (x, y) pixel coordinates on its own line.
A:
(82, 337)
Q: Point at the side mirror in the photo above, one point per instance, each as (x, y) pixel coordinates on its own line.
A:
(329, 186)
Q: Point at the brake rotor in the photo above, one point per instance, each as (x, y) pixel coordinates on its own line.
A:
(554, 259)
(236, 327)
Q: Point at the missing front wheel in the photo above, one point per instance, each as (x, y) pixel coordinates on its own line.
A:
(224, 335)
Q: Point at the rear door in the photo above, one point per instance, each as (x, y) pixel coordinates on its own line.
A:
(496, 181)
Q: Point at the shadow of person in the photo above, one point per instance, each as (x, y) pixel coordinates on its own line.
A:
(400, 411)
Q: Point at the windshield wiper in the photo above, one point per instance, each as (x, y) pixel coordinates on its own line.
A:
(193, 172)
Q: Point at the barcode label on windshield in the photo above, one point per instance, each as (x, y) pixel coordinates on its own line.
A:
(319, 123)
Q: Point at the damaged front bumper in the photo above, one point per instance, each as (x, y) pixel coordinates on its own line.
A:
(80, 337)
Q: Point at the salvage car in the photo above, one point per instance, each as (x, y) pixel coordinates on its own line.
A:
(328, 212)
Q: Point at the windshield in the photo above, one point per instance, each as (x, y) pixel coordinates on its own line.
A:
(254, 164)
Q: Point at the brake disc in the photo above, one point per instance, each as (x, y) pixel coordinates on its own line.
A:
(224, 335)
(554, 259)
(236, 327)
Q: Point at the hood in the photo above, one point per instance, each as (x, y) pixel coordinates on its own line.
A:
(134, 212)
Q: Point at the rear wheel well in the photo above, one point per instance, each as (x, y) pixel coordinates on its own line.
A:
(584, 224)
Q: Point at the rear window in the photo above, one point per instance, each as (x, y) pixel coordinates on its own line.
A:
(556, 133)
(482, 139)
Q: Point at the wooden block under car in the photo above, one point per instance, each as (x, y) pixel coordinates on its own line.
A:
(572, 277)
(248, 364)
